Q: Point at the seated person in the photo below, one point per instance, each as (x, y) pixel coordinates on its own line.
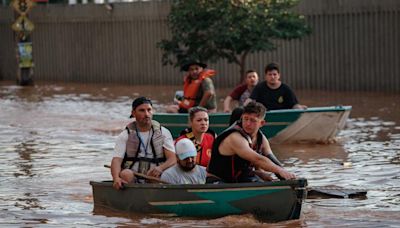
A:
(243, 91)
(144, 146)
(263, 149)
(185, 171)
(274, 94)
(199, 133)
(234, 157)
(198, 89)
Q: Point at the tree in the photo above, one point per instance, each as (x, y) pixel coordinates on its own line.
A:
(209, 30)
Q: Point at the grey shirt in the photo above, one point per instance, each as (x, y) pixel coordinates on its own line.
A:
(175, 175)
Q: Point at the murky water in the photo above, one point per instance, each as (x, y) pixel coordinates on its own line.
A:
(55, 138)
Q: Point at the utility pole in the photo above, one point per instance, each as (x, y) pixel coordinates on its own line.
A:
(23, 27)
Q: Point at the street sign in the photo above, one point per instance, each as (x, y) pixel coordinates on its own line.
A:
(22, 6)
(25, 55)
(23, 24)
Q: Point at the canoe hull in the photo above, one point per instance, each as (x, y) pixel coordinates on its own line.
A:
(320, 127)
(272, 202)
(317, 124)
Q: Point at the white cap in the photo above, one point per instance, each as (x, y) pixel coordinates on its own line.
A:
(185, 148)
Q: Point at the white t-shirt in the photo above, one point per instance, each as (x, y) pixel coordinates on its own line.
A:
(145, 148)
(175, 175)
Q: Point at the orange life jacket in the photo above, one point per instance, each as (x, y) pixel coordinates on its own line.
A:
(191, 88)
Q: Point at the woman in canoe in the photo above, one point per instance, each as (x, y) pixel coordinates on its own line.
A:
(199, 134)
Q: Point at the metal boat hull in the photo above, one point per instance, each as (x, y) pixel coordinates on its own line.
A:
(317, 124)
(269, 201)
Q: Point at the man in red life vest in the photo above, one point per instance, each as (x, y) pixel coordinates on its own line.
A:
(198, 89)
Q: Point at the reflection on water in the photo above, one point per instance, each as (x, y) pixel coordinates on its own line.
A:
(55, 138)
(24, 150)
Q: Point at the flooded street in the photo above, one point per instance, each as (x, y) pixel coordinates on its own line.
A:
(55, 138)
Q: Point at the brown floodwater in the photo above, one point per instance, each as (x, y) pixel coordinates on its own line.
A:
(56, 137)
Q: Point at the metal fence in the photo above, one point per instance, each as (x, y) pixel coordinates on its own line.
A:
(354, 46)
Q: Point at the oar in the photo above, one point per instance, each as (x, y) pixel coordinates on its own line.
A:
(312, 192)
(144, 176)
(335, 192)
(325, 192)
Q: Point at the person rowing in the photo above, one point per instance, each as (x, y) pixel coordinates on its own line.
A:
(240, 152)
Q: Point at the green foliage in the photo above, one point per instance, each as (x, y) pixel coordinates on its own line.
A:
(209, 30)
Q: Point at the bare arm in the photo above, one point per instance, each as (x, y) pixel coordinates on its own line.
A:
(267, 152)
(299, 106)
(170, 161)
(266, 147)
(236, 144)
(247, 101)
(206, 96)
(263, 175)
(209, 91)
(115, 170)
(227, 104)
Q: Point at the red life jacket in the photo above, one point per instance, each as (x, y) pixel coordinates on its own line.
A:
(203, 149)
(191, 88)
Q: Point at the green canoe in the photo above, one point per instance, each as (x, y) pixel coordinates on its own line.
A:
(317, 124)
(269, 201)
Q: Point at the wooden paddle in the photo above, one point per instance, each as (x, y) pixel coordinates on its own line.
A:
(147, 177)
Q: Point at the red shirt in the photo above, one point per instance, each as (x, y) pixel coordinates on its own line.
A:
(238, 91)
(203, 149)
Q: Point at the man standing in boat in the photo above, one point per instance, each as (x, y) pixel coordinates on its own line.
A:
(199, 133)
(242, 92)
(198, 89)
(238, 149)
(186, 171)
(144, 146)
(274, 94)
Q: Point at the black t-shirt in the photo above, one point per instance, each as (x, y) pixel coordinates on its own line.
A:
(273, 99)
